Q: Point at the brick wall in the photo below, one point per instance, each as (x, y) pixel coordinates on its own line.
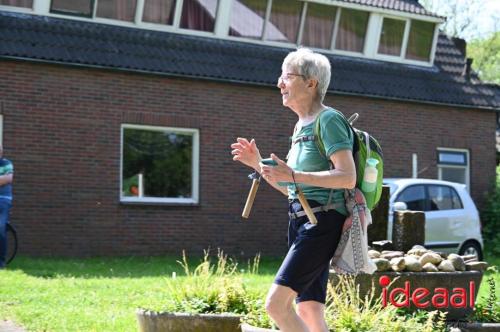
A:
(62, 131)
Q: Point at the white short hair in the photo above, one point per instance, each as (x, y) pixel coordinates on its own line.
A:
(312, 65)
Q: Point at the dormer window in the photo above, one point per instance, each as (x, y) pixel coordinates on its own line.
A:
(420, 40)
(338, 27)
(406, 39)
(351, 30)
(391, 36)
(159, 11)
(319, 24)
(17, 3)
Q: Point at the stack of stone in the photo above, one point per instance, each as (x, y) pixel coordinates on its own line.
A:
(419, 259)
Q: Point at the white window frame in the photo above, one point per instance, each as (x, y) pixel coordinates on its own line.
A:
(1, 128)
(195, 167)
(466, 167)
(222, 23)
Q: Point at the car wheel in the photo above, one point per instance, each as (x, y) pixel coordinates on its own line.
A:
(471, 248)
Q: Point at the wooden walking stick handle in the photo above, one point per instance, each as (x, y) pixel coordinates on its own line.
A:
(251, 195)
(306, 207)
(250, 198)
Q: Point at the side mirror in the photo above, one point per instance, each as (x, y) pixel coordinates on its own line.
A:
(400, 206)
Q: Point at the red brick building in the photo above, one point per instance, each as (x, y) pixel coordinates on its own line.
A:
(119, 118)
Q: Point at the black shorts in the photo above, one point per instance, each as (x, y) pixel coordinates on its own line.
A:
(306, 266)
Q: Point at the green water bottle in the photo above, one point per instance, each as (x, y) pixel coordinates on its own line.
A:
(370, 181)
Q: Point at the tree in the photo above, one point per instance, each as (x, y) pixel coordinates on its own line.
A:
(486, 55)
(462, 21)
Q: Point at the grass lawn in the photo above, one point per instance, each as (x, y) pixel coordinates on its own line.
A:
(99, 294)
(102, 294)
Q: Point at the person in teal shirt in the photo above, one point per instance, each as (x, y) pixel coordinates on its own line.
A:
(303, 275)
(6, 177)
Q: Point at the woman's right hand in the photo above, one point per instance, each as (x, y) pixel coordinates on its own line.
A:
(246, 152)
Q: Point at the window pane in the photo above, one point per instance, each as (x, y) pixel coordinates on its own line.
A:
(17, 3)
(414, 197)
(452, 158)
(391, 37)
(318, 27)
(199, 15)
(440, 198)
(159, 11)
(420, 41)
(352, 30)
(78, 7)
(247, 18)
(123, 10)
(453, 174)
(162, 158)
(285, 18)
(457, 202)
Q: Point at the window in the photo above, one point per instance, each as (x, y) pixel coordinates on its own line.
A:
(443, 198)
(391, 36)
(17, 3)
(247, 19)
(351, 30)
(199, 14)
(453, 165)
(319, 25)
(285, 16)
(420, 41)
(159, 11)
(72, 7)
(116, 9)
(159, 165)
(414, 197)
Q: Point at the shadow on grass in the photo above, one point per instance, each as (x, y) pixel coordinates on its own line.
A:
(120, 267)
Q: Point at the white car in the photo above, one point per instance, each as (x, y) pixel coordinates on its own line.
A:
(452, 221)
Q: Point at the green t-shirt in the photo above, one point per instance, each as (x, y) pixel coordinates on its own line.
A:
(305, 156)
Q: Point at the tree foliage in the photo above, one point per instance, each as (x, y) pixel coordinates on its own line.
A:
(486, 55)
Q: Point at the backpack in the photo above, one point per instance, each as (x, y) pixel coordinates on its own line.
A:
(365, 146)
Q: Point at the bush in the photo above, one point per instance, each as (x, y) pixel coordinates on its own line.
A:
(346, 311)
(490, 219)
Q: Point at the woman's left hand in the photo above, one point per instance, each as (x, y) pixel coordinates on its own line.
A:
(279, 173)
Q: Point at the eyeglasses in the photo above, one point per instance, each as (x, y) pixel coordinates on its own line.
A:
(288, 76)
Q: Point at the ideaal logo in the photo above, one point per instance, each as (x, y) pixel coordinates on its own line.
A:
(422, 297)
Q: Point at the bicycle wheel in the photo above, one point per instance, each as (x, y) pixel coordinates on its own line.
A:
(11, 243)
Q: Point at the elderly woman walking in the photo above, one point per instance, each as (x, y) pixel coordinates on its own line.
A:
(303, 275)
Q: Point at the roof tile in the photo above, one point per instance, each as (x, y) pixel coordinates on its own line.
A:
(75, 42)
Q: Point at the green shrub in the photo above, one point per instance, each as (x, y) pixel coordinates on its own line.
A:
(347, 311)
(490, 219)
(488, 312)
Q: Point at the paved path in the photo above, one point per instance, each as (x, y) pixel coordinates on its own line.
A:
(8, 326)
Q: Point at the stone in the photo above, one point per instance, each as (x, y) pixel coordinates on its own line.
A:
(470, 258)
(457, 261)
(476, 266)
(429, 267)
(446, 266)
(398, 264)
(408, 229)
(430, 257)
(391, 254)
(373, 254)
(382, 264)
(412, 264)
(417, 251)
(382, 245)
(418, 246)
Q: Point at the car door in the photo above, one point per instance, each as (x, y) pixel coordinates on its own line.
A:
(445, 218)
